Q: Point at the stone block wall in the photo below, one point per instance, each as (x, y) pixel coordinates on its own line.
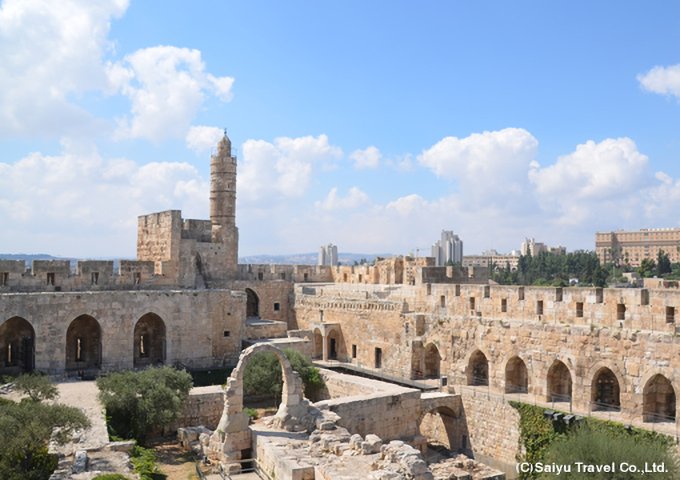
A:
(491, 426)
(390, 415)
(195, 323)
(203, 407)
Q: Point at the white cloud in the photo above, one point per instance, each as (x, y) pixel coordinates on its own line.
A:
(355, 197)
(48, 52)
(594, 171)
(488, 167)
(77, 195)
(663, 80)
(271, 171)
(166, 86)
(366, 158)
(203, 139)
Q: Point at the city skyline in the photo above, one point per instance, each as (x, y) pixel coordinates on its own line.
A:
(376, 126)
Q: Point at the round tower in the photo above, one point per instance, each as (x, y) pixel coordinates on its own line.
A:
(223, 201)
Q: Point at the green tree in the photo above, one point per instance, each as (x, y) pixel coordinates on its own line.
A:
(601, 447)
(138, 402)
(647, 268)
(263, 374)
(25, 430)
(663, 264)
(37, 386)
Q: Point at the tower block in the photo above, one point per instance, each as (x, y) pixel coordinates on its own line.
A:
(223, 204)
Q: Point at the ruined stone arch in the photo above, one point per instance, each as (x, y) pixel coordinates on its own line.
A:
(432, 361)
(658, 400)
(17, 346)
(83, 345)
(149, 341)
(252, 303)
(477, 371)
(605, 389)
(233, 435)
(559, 382)
(440, 425)
(516, 375)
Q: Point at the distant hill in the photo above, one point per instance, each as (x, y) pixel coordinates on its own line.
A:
(310, 258)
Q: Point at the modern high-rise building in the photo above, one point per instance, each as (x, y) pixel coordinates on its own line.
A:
(328, 255)
(448, 249)
(631, 247)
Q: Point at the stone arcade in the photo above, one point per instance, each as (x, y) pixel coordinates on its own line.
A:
(185, 300)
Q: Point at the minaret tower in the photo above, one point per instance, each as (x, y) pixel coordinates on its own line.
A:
(223, 204)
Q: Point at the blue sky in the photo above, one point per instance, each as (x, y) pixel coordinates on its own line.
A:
(371, 125)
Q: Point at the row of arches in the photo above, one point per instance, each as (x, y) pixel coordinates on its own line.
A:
(83, 344)
(658, 394)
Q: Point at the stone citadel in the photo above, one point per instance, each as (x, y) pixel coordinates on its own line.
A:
(186, 301)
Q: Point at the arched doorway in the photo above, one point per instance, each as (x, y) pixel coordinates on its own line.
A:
(658, 400)
(17, 341)
(333, 345)
(605, 393)
(149, 341)
(516, 377)
(83, 344)
(559, 383)
(432, 361)
(252, 304)
(478, 369)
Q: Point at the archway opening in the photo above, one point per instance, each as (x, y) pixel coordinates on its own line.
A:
(478, 369)
(432, 361)
(17, 341)
(441, 428)
(252, 303)
(83, 345)
(605, 391)
(516, 377)
(333, 345)
(149, 341)
(658, 400)
(318, 344)
(559, 383)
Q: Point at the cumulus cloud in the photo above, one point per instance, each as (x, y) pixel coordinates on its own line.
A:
(613, 167)
(367, 158)
(89, 195)
(281, 169)
(488, 166)
(202, 139)
(166, 86)
(354, 198)
(663, 80)
(48, 52)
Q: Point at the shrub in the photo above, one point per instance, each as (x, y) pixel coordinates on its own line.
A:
(604, 447)
(144, 462)
(139, 402)
(25, 430)
(263, 374)
(110, 476)
(37, 386)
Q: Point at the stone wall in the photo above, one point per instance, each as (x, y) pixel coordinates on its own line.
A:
(203, 407)
(340, 385)
(202, 328)
(492, 427)
(629, 334)
(391, 415)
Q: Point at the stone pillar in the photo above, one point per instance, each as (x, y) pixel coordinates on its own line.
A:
(324, 347)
